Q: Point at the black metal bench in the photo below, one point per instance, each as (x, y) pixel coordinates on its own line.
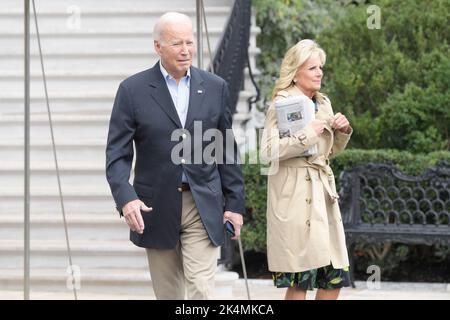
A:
(379, 203)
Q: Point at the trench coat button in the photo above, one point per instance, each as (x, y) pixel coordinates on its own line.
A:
(179, 189)
(308, 223)
(183, 161)
(307, 178)
(308, 201)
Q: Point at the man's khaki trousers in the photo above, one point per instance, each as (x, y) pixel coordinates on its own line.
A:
(190, 267)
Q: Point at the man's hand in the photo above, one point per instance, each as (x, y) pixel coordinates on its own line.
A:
(133, 216)
(340, 123)
(236, 220)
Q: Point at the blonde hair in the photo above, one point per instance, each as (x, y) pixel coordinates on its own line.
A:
(293, 59)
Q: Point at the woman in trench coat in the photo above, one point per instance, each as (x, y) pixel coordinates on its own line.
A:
(305, 235)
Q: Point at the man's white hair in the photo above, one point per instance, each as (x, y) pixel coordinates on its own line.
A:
(169, 18)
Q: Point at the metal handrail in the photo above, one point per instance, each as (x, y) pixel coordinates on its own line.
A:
(27, 115)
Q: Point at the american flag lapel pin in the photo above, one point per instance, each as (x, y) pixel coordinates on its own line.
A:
(200, 91)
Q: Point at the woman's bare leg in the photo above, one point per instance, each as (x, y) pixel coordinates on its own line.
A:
(295, 294)
(327, 294)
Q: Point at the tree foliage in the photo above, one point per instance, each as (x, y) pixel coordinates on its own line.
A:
(392, 82)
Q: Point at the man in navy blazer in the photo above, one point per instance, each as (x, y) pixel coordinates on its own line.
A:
(188, 180)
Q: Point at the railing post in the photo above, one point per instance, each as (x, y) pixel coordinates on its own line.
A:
(199, 35)
(26, 246)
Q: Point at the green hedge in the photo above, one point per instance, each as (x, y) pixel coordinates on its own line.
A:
(254, 233)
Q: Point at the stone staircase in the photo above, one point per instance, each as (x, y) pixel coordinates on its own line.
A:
(85, 60)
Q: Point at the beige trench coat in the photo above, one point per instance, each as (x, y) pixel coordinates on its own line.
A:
(304, 225)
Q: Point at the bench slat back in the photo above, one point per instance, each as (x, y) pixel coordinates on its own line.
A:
(382, 194)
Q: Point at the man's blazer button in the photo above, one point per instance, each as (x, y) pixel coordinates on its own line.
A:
(183, 161)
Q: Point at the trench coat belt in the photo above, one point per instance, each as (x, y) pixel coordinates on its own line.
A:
(320, 163)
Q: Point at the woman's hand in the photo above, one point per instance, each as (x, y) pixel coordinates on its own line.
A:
(318, 126)
(340, 122)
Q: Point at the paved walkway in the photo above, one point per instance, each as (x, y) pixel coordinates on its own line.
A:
(264, 290)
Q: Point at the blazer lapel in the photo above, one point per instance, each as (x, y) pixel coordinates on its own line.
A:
(196, 96)
(161, 94)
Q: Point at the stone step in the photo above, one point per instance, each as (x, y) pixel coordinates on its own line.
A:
(99, 53)
(49, 191)
(68, 151)
(106, 5)
(85, 254)
(50, 204)
(77, 127)
(94, 40)
(70, 103)
(60, 103)
(118, 61)
(76, 18)
(81, 200)
(84, 151)
(51, 227)
(72, 74)
(45, 175)
(130, 283)
(69, 59)
(132, 280)
(76, 63)
(110, 5)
